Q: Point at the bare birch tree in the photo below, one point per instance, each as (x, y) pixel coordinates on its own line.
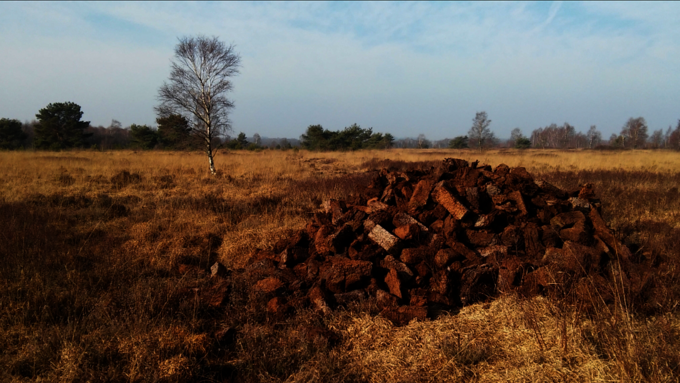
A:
(594, 136)
(656, 139)
(538, 138)
(422, 141)
(480, 135)
(199, 82)
(515, 135)
(667, 136)
(636, 131)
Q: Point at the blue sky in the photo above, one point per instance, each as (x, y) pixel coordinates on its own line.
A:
(404, 68)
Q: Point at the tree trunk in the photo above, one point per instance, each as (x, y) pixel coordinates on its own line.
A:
(210, 158)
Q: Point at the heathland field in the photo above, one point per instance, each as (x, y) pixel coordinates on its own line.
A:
(105, 262)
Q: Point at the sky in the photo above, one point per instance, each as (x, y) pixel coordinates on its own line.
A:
(403, 68)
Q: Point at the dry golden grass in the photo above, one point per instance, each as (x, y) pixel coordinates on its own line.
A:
(89, 289)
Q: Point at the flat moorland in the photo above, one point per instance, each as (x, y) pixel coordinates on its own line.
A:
(92, 243)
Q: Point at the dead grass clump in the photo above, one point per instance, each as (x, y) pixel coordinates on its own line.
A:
(77, 201)
(508, 340)
(165, 182)
(636, 349)
(65, 179)
(273, 353)
(125, 178)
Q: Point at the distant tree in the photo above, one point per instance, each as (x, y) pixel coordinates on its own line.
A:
(667, 136)
(515, 134)
(242, 140)
(674, 138)
(567, 133)
(594, 137)
(554, 132)
(422, 141)
(237, 143)
(612, 139)
(174, 132)
(143, 136)
(551, 135)
(367, 139)
(11, 135)
(618, 141)
(518, 140)
(623, 139)
(60, 126)
(406, 142)
(29, 130)
(656, 139)
(558, 137)
(199, 82)
(387, 142)
(480, 135)
(460, 142)
(635, 130)
(580, 140)
(353, 137)
(112, 137)
(285, 144)
(538, 138)
(374, 141)
(443, 143)
(522, 143)
(257, 140)
(315, 138)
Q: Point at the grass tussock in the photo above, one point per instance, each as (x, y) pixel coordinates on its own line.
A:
(90, 289)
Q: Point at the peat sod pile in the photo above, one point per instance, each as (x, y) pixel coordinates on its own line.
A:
(429, 240)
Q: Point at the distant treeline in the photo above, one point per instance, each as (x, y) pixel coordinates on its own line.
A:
(59, 126)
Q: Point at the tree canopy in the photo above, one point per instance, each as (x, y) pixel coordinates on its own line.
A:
(634, 133)
(352, 137)
(460, 142)
(240, 142)
(60, 126)
(174, 132)
(11, 135)
(143, 137)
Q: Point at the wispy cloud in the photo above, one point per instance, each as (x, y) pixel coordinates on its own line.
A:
(552, 12)
(400, 67)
